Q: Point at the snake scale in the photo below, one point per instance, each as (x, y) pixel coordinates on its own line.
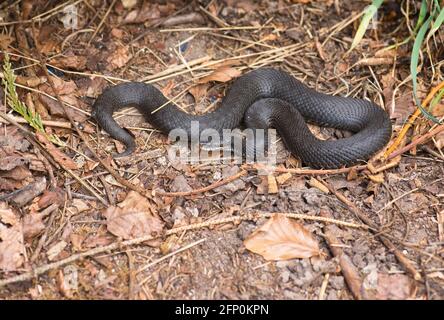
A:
(261, 98)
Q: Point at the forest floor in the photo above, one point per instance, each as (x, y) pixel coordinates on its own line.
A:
(71, 228)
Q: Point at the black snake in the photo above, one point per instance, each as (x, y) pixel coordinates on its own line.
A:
(261, 98)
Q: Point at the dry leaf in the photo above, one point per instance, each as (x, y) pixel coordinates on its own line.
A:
(58, 155)
(62, 87)
(132, 218)
(55, 250)
(12, 249)
(222, 74)
(70, 62)
(32, 225)
(148, 11)
(5, 41)
(167, 89)
(55, 109)
(391, 286)
(128, 4)
(281, 238)
(199, 91)
(118, 58)
(440, 140)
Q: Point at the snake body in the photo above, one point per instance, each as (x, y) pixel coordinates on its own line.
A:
(261, 98)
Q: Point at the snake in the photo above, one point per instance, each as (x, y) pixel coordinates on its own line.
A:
(261, 98)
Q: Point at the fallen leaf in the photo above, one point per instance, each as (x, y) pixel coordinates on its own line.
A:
(390, 286)
(55, 109)
(222, 74)
(132, 218)
(118, 58)
(12, 249)
(50, 197)
(148, 11)
(167, 89)
(61, 86)
(10, 160)
(70, 62)
(32, 225)
(281, 238)
(5, 41)
(440, 140)
(55, 250)
(58, 155)
(128, 4)
(402, 108)
(199, 91)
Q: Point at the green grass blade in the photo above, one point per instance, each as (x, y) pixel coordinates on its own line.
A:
(436, 99)
(436, 24)
(369, 12)
(414, 65)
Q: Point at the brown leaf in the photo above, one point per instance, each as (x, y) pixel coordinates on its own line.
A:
(32, 82)
(118, 58)
(5, 41)
(222, 74)
(128, 4)
(440, 140)
(50, 197)
(12, 249)
(147, 12)
(32, 225)
(63, 87)
(58, 155)
(438, 110)
(394, 287)
(55, 109)
(11, 161)
(70, 62)
(167, 89)
(281, 238)
(9, 185)
(403, 108)
(132, 218)
(199, 91)
(18, 173)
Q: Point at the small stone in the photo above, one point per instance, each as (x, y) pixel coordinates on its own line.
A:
(337, 282)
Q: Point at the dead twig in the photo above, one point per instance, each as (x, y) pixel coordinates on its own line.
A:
(351, 274)
(202, 190)
(407, 264)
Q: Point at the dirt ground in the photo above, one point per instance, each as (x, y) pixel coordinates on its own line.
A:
(62, 215)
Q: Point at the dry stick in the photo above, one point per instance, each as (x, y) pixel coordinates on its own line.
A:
(46, 123)
(102, 21)
(390, 151)
(348, 269)
(408, 265)
(188, 246)
(119, 245)
(202, 190)
(113, 172)
(417, 141)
